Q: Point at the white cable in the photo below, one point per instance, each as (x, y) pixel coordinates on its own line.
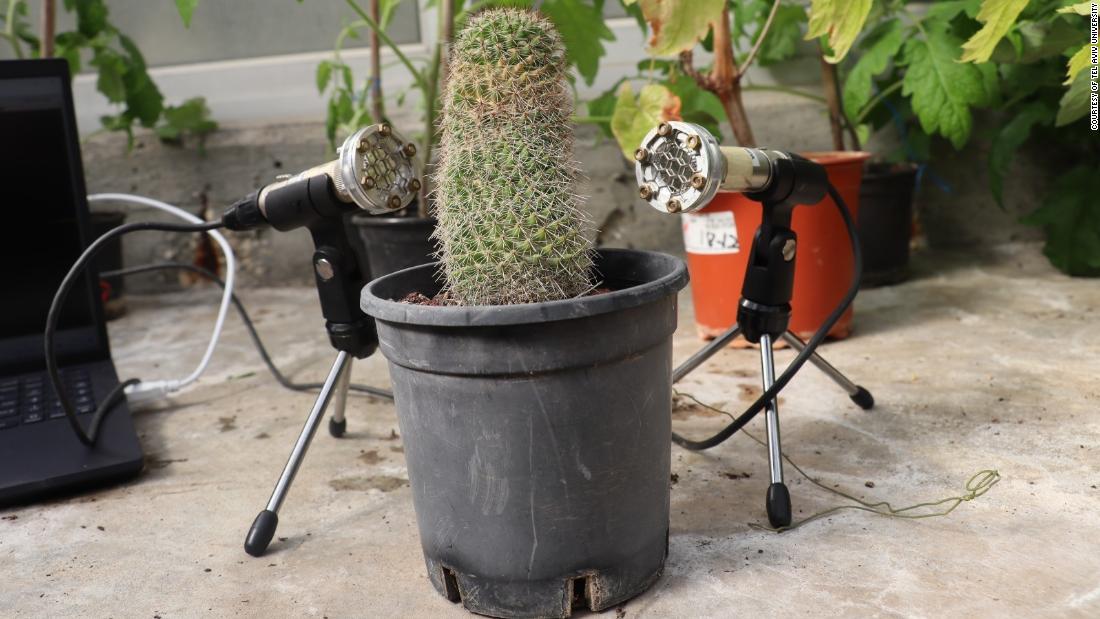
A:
(159, 388)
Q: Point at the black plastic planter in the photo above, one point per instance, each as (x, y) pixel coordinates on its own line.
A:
(391, 244)
(886, 222)
(537, 436)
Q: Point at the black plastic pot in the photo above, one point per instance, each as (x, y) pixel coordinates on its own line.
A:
(886, 222)
(390, 244)
(537, 436)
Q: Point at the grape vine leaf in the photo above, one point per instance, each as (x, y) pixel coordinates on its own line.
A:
(997, 17)
(1078, 62)
(678, 25)
(1070, 215)
(879, 47)
(941, 90)
(841, 20)
(634, 117)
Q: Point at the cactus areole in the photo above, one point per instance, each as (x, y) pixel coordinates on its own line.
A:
(510, 226)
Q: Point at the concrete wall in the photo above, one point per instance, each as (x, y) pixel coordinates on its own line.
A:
(240, 159)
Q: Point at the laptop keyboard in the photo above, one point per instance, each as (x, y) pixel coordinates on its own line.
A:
(31, 399)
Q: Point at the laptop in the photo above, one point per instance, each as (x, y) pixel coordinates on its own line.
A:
(43, 228)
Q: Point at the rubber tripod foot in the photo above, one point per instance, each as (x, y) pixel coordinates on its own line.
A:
(259, 536)
(779, 505)
(337, 428)
(863, 398)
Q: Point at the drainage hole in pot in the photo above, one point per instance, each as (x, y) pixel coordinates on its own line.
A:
(580, 593)
(450, 585)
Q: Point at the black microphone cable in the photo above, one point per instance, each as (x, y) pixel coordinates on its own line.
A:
(807, 351)
(248, 324)
(89, 436)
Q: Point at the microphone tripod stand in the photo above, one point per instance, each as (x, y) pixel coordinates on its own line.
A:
(764, 310)
(351, 333)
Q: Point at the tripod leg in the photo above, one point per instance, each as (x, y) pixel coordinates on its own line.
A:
(779, 499)
(337, 424)
(263, 528)
(705, 353)
(858, 394)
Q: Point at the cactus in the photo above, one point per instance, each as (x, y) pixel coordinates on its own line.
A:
(510, 227)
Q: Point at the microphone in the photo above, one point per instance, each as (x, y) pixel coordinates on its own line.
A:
(680, 167)
(376, 170)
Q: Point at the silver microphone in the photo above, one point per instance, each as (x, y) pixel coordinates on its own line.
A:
(376, 169)
(680, 167)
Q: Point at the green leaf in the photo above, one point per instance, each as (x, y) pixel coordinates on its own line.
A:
(1009, 139)
(91, 17)
(677, 25)
(1070, 215)
(67, 45)
(879, 48)
(781, 41)
(1037, 40)
(841, 21)
(143, 99)
(111, 68)
(997, 16)
(324, 74)
(186, 9)
(942, 90)
(1075, 103)
(192, 115)
(386, 9)
(634, 117)
(946, 11)
(583, 31)
(131, 49)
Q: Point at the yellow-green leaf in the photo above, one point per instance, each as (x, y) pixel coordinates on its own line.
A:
(1076, 64)
(841, 21)
(1075, 101)
(1081, 8)
(679, 24)
(634, 117)
(997, 17)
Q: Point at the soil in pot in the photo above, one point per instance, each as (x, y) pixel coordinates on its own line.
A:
(537, 436)
(718, 238)
(886, 221)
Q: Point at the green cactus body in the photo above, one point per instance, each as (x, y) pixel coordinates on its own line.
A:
(510, 225)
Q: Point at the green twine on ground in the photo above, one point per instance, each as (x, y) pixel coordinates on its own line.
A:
(980, 483)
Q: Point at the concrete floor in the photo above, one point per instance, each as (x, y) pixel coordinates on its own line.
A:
(979, 362)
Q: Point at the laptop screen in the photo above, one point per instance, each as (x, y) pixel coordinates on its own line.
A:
(43, 219)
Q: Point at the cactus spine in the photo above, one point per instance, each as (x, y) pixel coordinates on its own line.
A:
(510, 225)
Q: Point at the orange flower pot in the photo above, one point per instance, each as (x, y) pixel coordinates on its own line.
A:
(718, 238)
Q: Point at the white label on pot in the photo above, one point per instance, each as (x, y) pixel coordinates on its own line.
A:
(710, 233)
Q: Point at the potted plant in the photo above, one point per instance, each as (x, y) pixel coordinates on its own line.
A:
(532, 378)
(926, 68)
(679, 26)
